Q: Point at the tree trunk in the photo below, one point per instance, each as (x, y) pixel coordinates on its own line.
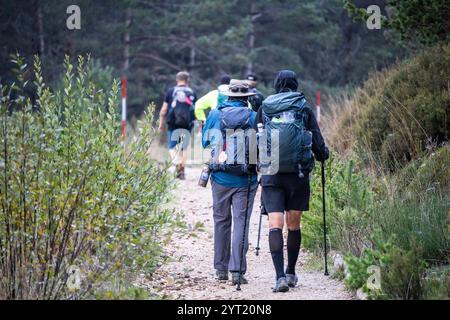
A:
(348, 44)
(251, 37)
(126, 38)
(193, 55)
(40, 25)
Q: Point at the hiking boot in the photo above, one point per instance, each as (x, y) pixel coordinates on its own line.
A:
(281, 285)
(180, 172)
(235, 278)
(291, 279)
(222, 275)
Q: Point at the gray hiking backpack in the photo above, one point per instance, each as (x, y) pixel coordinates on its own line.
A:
(182, 107)
(238, 144)
(284, 112)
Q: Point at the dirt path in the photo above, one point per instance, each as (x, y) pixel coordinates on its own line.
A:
(189, 273)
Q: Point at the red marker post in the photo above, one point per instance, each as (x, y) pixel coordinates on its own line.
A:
(318, 107)
(124, 106)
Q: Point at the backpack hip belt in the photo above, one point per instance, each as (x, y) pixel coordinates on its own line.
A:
(235, 169)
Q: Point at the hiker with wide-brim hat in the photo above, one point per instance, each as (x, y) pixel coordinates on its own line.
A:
(286, 189)
(238, 89)
(234, 184)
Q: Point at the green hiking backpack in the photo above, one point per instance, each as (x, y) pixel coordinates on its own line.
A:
(284, 112)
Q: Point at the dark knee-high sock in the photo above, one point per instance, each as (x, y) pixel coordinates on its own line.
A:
(294, 241)
(276, 249)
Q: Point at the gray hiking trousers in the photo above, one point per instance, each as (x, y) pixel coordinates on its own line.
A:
(229, 206)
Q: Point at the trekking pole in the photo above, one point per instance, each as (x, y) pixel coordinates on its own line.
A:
(261, 207)
(259, 235)
(324, 219)
(238, 288)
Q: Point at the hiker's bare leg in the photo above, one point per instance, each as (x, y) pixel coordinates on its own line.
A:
(180, 156)
(184, 156)
(293, 219)
(276, 220)
(173, 153)
(181, 162)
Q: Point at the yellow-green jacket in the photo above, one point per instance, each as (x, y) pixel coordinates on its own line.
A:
(208, 101)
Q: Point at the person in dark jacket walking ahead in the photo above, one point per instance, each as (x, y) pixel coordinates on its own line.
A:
(286, 192)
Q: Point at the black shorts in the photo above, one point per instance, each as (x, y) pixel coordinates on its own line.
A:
(284, 192)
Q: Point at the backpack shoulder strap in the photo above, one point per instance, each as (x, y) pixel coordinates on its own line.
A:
(265, 117)
(185, 89)
(175, 90)
(188, 90)
(188, 93)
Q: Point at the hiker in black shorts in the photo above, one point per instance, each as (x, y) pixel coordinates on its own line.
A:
(285, 194)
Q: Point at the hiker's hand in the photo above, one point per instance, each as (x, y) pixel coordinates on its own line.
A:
(325, 155)
(161, 127)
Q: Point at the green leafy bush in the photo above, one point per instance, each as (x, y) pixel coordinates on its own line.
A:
(349, 206)
(357, 269)
(399, 113)
(436, 284)
(401, 216)
(421, 218)
(392, 176)
(429, 174)
(401, 278)
(401, 271)
(72, 196)
(425, 21)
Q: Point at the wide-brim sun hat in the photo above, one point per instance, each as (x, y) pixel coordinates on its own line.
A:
(223, 88)
(238, 88)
